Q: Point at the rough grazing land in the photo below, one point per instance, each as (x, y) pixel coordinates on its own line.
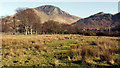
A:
(60, 50)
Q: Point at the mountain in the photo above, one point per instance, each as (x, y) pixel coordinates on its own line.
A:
(99, 21)
(116, 22)
(49, 12)
(116, 18)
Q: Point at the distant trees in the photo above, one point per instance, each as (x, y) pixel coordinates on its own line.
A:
(29, 21)
(52, 27)
(64, 28)
(5, 24)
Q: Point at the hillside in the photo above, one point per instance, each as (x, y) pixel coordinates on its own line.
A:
(49, 12)
(116, 22)
(97, 21)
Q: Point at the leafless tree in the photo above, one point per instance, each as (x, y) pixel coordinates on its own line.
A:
(28, 18)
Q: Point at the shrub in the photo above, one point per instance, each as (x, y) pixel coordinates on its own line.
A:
(88, 52)
(101, 33)
(117, 60)
(93, 43)
(106, 56)
(64, 55)
(73, 46)
(91, 34)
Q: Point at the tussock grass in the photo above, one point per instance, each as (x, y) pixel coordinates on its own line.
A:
(59, 50)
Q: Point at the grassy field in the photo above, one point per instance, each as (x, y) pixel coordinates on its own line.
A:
(60, 50)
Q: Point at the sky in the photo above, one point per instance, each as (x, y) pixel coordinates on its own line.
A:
(81, 9)
(59, 0)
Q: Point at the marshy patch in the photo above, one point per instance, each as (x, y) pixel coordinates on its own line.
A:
(15, 61)
(32, 41)
(93, 43)
(77, 62)
(26, 61)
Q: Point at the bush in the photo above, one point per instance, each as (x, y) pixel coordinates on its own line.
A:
(106, 56)
(101, 33)
(91, 34)
(117, 60)
(73, 46)
(64, 55)
(89, 52)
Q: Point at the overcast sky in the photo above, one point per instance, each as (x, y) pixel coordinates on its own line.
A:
(81, 9)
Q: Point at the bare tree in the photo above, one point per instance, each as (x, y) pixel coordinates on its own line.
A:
(14, 25)
(51, 27)
(4, 23)
(28, 18)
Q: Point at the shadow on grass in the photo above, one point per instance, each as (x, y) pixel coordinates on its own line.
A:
(88, 65)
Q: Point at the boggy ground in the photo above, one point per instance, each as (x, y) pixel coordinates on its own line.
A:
(60, 50)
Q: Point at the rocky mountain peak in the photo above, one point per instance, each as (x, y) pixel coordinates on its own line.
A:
(49, 9)
(50, 12)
